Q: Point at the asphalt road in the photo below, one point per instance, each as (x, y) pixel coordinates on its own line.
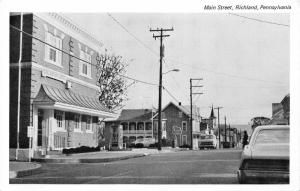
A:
(185, 167)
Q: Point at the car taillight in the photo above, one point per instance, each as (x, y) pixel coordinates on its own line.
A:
(266, 164)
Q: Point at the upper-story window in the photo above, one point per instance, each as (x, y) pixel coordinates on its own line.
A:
(184, 126)
(53, 53)
(85, 67)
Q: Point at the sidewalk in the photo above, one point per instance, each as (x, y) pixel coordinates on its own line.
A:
(19, 169)
(101, 156)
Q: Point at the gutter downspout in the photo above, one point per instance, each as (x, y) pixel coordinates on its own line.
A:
(19, 86)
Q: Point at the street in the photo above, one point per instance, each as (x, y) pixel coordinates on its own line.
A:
(185, 167)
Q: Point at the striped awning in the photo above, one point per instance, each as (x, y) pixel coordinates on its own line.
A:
(52, 97)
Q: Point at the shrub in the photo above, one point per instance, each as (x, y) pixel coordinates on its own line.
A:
(153, 145)
(81, 149)
(139, 145)
(184, 146)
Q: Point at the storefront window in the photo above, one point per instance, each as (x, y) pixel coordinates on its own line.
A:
(77, 121)
(88, 123)
(59, 116)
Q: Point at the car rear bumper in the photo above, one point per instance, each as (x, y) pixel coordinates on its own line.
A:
(256, 176)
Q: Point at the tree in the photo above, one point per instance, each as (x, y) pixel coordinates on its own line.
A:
(257, 121)
(112, 85)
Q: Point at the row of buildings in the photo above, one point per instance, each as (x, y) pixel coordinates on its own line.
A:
(176, 127)
(53, 93)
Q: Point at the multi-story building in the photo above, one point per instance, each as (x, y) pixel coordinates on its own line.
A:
(176, 125)
(281, 112)
(132, 124)
(142, 123)
(58, 84)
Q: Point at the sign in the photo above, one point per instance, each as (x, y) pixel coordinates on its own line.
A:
(177, 130)
(29, 131)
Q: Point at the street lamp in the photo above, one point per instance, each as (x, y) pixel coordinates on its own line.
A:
(159, 104)
(173, 70)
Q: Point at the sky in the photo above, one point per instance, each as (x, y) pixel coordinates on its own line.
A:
(244, 63)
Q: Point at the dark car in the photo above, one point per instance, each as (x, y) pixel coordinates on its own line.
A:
(266, 158)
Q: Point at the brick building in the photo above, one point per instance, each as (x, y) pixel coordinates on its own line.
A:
(58, 94)
(176, 125)
(281, 112)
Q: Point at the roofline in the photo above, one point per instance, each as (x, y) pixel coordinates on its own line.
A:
(71, 28)
(168, 106)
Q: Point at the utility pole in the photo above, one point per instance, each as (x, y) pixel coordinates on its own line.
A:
(160, 36)
(225, 132)
(191, 100)
(218, 108)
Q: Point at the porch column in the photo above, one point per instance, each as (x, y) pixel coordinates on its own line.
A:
(144, 129)
(128, 130)
(49, 128)
(35, 128)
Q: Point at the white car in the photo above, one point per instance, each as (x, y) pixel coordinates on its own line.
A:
(266, 158)
(207, 141)
(145, 142)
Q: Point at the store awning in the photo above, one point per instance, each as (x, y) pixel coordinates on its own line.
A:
(66, 100)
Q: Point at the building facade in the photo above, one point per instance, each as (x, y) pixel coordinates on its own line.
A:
(132, 124)
(281, 112)
(58, 84)
(176, 126)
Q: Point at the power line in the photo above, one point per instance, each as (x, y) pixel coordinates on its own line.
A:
(219, 73)
(137, 80)
(131, 34)
(226, 74)
(259, 20)
(164, 88)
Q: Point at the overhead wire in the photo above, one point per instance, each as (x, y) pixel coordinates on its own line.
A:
(42, 41)
(131, 34)
(259, 20)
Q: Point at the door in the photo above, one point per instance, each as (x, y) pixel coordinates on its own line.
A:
(40, 128)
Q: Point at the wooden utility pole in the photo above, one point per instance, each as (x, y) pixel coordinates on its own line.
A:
(160, 36)
(191, 100)
(218, 108)
(225, 132)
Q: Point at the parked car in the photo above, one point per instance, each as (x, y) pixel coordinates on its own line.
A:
(207, 141)
(266, 158)
(144, 142)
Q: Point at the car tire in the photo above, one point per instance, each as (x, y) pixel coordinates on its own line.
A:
(241, 178)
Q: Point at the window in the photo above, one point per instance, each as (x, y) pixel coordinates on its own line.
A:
(77, 121)
(59, 116)
(88, 123)
(273, 136)
(184, 126)
(53, 54)
(180, 114)
(84, 67)
(164, 129)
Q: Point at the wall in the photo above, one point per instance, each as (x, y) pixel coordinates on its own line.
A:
(34, 53)
(173, 119)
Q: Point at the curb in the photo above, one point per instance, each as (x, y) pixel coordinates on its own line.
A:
(85, 160)
(27, 172)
